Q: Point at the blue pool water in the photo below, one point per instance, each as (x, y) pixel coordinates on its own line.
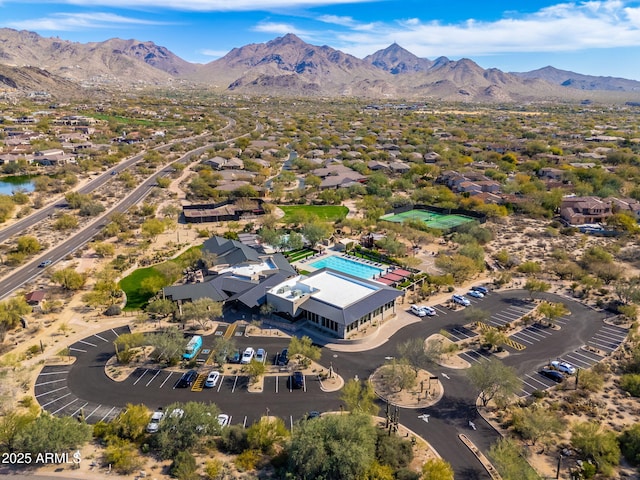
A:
(345, 265)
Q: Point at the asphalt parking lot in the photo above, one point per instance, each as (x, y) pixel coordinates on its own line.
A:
(582, 339)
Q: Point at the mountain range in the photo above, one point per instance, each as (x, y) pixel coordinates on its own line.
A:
(284, 66)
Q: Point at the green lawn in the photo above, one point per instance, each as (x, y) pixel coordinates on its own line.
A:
(137, 297)
(327, 213)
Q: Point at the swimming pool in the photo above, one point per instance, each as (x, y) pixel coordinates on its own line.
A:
(344, 265)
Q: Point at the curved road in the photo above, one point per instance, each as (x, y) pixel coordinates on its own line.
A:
(65, 390)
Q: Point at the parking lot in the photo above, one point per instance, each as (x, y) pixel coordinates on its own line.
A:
(52, 386)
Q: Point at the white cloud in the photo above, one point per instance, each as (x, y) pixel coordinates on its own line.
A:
(338, 20)
(277, 28)
(77, 21)
(213, 5)
(564, 27)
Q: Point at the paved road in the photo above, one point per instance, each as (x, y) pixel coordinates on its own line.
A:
(63, 390)
(31, 270)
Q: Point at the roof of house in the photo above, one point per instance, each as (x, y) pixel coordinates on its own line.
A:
(35, 296)
(230, 252)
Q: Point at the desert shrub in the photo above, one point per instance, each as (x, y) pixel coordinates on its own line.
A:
(630, 382)
(393, 450)
(248, 460)
(184, 466)
(630, 444)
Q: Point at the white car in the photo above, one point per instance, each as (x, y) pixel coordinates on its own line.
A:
(417, 310)
(461, 300)
(261, 355)
(564, 367)
(154, 423)
(223, 420)
(212, 379)
(247, 355)
(475, 294)
(428, 310)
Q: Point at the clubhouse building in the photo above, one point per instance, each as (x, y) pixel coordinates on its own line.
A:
(336, 303)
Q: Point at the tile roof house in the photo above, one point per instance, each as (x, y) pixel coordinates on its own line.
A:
(584, 210)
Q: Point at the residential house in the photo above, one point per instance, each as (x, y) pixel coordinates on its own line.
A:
(585, 210)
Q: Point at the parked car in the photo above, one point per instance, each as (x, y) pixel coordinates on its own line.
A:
(428, 310)
(45, 263)
(235, 357)
(261, 355)
(187, 379)
(564, 367)
(481, 289)
(247, 355)
(461, 300)
(283, 358)
(475, 294)
(223, 420)
(212, 379)
(154, 423)
(297, 380)
(313, 414)
(417, 310)
(554, 375)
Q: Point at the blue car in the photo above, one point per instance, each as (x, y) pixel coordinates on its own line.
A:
(481, 289)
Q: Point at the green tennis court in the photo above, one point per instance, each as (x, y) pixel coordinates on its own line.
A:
(440, 221)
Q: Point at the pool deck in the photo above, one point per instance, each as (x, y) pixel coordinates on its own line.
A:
(306, 263)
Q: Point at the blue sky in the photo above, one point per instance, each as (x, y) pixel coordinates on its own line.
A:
(590, 37)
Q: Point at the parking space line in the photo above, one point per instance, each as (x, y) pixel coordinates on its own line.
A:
(77, 350)
(304, 383)
(518, 336)
(457, 338)
(153, 378)
(140, 377)
(56, 399)
(577, 362)
(220, 383)
(528, 384)
(62, 408)
(235, 382)
(47, 383)
(88, 343)
(277, 382)
(470, 356)
(601, 346)
(94, 411)
(54, 373)
(540, 330)
(440, 310)
(165, 380)
(50, 391)
(108, 413)
(101, 338)
(580, 354)
(79, 409)
(536, 380)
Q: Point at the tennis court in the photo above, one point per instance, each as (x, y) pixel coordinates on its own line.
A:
(440, 221)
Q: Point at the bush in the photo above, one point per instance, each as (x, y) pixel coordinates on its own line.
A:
(113, 310)
(393, 450)
(248, 460)
(234, 439)
(630, 444)
(630, 382)
(184, 466)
